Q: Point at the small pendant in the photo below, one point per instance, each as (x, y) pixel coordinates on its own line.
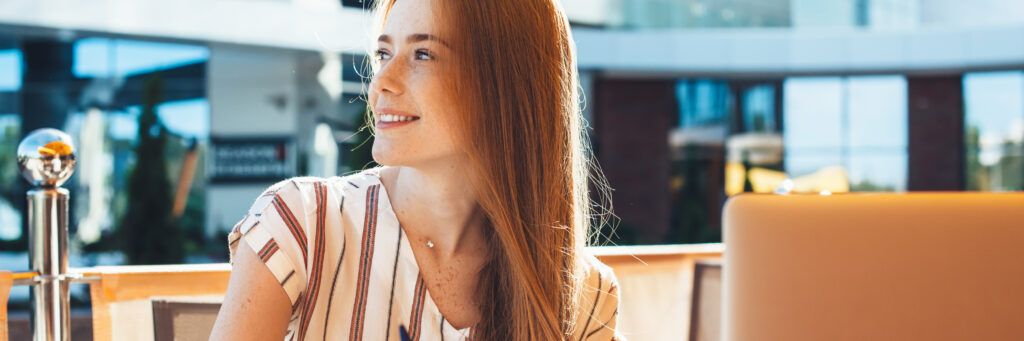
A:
(430, 244)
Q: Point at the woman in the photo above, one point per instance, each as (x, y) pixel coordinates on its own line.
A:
(475, 226)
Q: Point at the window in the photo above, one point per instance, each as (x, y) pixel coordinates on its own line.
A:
(10, 123)
(713, 115)
(105, 57)
(10, 71)
(994, 125)
(856, 123)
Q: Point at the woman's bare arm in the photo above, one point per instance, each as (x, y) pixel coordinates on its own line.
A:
(256, 307)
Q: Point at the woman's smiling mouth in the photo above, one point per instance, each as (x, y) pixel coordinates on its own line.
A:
(386, 119)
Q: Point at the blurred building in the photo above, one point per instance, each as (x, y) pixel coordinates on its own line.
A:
(896, 94)
(888, 95)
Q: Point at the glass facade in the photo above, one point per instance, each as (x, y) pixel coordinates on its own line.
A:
(851, 127)
(702, 13)
(735, 136)
(97, 89)
(874, 14)
(106, 90)
(105, 99)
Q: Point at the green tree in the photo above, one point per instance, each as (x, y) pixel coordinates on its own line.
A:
(977, 177)
(149, 235)
(11, 184)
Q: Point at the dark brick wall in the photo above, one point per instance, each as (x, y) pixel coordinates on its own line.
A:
(936, 133)
(632, 119)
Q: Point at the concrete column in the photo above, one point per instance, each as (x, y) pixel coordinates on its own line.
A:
(252, 94)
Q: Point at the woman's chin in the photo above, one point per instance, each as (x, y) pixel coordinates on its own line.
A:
(386, 155)
(382, 157)
(416, 155)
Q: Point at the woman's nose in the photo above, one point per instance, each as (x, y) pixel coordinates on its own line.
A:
(389, 78)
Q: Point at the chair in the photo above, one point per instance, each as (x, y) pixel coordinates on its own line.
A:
(657, 283)
(124, 298)
(706, 309)
(184, 318)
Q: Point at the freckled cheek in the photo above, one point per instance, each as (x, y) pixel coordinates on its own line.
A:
(429, 93)
(422, 80)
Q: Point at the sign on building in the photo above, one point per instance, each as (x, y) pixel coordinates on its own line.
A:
(250, 160)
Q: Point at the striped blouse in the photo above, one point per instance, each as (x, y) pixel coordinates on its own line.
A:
(337, 249)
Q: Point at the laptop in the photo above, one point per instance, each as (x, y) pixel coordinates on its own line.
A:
(929, 266)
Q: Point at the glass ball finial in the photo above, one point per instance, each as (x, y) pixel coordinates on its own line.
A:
(46, 157)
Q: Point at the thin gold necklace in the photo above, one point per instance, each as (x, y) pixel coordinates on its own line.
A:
(430, 243)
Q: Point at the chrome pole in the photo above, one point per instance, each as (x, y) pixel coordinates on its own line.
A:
(46, 159)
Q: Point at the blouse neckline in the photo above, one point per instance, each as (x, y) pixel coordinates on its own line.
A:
(406, 248)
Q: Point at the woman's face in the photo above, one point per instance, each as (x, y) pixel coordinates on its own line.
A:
(412, 106)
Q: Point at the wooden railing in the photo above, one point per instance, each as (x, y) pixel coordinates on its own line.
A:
(6, 281)
(657, 286)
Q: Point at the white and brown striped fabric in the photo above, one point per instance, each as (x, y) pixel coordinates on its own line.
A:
(337, 249)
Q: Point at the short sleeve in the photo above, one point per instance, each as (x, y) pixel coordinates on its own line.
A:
(600, 308)
(276, 229)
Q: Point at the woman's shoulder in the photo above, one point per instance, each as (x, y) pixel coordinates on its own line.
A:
(296, 219)
(289, 204)
(599, 274)
(601, 286)
(599, 306)
(301, 190)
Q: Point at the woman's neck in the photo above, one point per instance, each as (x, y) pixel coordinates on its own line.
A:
(437, 204)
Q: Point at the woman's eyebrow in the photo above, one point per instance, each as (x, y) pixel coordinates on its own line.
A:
(415, 38)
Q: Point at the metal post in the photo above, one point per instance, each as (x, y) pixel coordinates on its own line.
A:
(46, 158)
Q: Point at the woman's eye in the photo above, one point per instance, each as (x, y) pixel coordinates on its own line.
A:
(423, 54)
(382, 54)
